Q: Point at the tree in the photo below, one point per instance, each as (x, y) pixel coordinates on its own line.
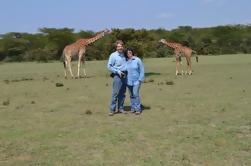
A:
(58, 39)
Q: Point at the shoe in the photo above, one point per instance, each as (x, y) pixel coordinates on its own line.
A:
(111, 113)
(132, 111)
(122, 111)
(137, 113)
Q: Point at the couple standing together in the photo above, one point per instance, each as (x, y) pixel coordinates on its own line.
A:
(127, 70)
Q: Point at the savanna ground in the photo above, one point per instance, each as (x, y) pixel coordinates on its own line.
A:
(203, 119)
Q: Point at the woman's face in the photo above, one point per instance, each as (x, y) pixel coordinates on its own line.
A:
(129, 54)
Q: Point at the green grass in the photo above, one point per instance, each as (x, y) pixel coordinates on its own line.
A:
(203, 119)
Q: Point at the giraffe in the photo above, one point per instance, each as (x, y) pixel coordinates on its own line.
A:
(180, 50)
(78, 49)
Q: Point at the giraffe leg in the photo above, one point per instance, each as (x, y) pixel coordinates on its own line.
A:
(177, 70)
(83, 66)
(180, 64)
(69, 66)
(177, 67)
(190, 67)
(187, 70)
(65, 72)
(81, 55)
(79, 61)
(180, 69)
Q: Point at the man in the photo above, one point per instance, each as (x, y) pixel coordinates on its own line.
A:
(117, 66)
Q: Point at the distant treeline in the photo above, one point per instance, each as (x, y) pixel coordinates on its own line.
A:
(49, 42)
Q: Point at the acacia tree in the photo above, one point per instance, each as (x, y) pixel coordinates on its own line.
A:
(58, 39)
(49, 43)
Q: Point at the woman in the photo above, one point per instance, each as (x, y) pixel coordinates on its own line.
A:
(135, 75)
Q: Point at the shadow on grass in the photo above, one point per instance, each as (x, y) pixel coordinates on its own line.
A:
(143, 107)
(151, 74)
(84, 77)
(18, 80)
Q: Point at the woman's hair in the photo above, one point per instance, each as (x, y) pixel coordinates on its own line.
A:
(126, 51)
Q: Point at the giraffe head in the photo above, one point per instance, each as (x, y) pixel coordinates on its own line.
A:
(163, 41)
(98, 35)
(104, 32)
(107, 31)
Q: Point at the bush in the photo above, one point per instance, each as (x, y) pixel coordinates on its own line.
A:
(40, 55)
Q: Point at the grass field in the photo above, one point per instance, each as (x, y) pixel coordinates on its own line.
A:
(198, 120)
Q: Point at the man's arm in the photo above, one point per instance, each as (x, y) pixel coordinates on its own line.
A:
(110, 64)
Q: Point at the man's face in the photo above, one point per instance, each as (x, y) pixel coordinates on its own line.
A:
(120, 48)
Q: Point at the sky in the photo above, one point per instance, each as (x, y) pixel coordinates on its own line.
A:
(95, 15)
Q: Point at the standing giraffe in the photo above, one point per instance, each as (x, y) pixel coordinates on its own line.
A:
(180, 50)
(78, 49)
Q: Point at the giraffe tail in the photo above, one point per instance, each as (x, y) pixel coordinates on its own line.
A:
(197, 58)
(63, 59)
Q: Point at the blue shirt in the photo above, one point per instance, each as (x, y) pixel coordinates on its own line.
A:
(116, 62)
(135, 71)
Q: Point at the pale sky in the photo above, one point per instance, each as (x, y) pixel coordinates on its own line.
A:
(30, 15)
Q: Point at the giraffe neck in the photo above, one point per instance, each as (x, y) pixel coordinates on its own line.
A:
(95, 38)
(85, 42)
(173, 45)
